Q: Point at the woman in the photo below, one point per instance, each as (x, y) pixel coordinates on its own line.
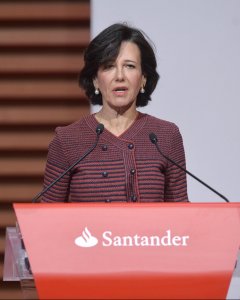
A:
(120, 75)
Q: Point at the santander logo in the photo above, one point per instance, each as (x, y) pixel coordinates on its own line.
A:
(167, 239)
(86, 239)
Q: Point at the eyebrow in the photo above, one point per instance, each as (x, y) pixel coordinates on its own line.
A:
(129, 60)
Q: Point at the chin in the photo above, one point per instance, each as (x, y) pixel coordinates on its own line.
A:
(123, 104)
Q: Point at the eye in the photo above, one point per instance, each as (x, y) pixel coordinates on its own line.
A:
(108, 66)
(130, 66)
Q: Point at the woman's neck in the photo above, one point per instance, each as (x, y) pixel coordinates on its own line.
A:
(117, 122)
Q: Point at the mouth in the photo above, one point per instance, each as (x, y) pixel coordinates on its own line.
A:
(120, 91)
(120, 88)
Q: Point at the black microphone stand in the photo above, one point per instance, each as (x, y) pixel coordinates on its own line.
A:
(154, 140)
(99, 130)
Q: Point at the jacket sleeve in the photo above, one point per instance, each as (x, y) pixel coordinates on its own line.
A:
(56, 165)
(176, 181)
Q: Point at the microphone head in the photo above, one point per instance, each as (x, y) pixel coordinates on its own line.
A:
(153, 138)
(99, 128)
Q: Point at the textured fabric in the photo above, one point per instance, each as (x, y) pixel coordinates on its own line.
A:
(125, 168)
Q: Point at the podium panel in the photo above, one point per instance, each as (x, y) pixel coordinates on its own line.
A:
(15, 263)
(131, 251)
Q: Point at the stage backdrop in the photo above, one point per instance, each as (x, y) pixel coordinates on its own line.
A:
(198, 52)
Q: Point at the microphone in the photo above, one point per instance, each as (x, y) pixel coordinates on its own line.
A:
(154, 140)
(99, 130)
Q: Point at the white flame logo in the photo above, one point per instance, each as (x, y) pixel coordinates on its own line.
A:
(86, 239)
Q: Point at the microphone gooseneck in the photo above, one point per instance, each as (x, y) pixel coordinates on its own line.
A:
(99, 131)
(154, 140)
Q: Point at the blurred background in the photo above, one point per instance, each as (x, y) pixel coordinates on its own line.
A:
(197, 45)
(41, 53)
(41, 47)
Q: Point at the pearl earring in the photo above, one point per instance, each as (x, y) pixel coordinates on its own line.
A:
(142, 91)
(96, 92)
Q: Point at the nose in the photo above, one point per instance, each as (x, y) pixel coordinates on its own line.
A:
(119, 74)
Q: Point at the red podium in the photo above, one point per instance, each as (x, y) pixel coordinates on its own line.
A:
(131, 251)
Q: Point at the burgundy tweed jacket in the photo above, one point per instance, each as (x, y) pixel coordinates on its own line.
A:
(124, 168)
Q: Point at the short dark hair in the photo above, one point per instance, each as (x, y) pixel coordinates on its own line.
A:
(105, 48)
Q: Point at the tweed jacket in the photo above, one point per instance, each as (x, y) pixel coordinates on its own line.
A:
(127, 168)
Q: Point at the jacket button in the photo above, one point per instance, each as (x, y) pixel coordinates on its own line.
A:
(132, 171)
(133, 198)
(130, 146)
(104, 147)
(104, 174)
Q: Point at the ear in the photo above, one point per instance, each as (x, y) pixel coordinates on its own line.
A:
(95, 83)
(144, 81)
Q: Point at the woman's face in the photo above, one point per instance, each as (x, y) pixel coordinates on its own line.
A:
(120, 81)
